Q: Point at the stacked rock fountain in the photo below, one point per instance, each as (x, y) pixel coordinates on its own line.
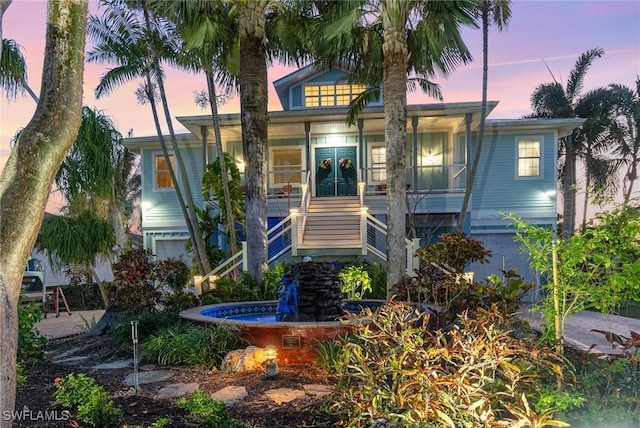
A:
(311, 291)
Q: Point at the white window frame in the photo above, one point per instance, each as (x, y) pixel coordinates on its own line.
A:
(154, 156)
(370, 148)
(303, 160)
(530, 138)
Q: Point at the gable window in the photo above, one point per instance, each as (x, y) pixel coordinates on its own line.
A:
(286, 164)
(162, 176)
(331, 95)
(529, 155)
(378, 163)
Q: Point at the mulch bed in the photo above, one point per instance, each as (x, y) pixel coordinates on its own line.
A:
(256, 410)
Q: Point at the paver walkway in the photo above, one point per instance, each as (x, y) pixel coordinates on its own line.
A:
(66, 325)
(578, 328)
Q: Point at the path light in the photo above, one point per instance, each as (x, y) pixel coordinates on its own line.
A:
(271, 354)
(134, 339)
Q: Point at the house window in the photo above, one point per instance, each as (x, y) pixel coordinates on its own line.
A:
(163, 177)
(378, 163)
(286, 164)
(331, 95)
(529, 158)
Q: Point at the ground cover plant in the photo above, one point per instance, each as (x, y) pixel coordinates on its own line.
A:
(472, 374)
(89, 400)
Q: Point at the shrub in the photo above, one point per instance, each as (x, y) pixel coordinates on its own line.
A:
(472, 375)
(90, 399)
(172, 273)
(378, 275)
(271, 280)
(211, 413)
(150, 322)
(84, 297)
(29, 340)
(355, 282)
(134, 288)
(184, 343)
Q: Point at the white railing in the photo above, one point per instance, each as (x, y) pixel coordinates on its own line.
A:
(376, 234)
(286, 235)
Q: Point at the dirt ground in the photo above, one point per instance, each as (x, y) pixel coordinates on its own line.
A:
(256, 410)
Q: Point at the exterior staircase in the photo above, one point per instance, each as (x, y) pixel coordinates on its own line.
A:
(332, 223)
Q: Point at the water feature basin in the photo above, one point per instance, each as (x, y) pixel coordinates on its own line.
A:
(295, 341)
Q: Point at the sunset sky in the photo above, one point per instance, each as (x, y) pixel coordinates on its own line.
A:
(554, 31)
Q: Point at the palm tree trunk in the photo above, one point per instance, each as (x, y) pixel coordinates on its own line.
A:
(254, 119)
(231, 224)
(30, 171)
(569, 189)
(632, 175)
(395, 54)
(172, 173)
(471, 176)
(585, 204)
(4, 5)
(192, 217)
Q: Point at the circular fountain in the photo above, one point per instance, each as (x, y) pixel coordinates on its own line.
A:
(308, 311)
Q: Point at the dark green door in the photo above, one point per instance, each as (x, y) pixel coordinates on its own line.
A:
(336, 171)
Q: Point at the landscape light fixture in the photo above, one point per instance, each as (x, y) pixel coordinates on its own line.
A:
(271, 354)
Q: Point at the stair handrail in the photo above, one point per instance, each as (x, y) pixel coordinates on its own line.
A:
(237, 259)
(304, 202)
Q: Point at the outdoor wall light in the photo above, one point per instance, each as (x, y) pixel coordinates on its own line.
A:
(145, 205)
(271, 354)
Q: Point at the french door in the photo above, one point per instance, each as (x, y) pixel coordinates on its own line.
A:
(336, 171)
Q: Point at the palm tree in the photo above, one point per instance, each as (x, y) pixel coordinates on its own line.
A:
(498, 13)
(25, 181)
(135, 44)
(209, 31)
(627, 132)
(252, 80)
(552, 100)
(4, 5)
(383, 42)
(596, 139)
(13, 71)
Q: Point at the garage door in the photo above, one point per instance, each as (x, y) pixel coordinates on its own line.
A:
(166, 248)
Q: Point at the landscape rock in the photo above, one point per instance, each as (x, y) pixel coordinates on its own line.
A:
(114, 365)
(243, 360)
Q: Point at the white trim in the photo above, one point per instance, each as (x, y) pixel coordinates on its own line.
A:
(516, 172)
(370, 147)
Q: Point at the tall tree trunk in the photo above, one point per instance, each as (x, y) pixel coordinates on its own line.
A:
(569, 189)
(254, 119)
(630, 178)
(395, 53)
(192, 218)
(471, 175)
(231, 223)
(587, 193)
(27, 177)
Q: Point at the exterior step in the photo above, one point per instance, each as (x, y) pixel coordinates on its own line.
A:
(339, 229)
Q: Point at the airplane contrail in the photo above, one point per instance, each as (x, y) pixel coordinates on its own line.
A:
(527, 61)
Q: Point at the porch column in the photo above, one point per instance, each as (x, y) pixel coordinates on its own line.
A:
(307, 144)
(361, 148)
(414, 125)
(205, 154)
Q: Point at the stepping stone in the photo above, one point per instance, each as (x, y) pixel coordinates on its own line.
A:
(317, 389)
(149, 377)
(284, 395)
(69, 360)
(147, 367)
(121, 364)
(230, 394)
(178, 389)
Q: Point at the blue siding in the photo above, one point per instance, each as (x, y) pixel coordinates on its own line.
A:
(496, 187)
(296, 97)
(331, 76)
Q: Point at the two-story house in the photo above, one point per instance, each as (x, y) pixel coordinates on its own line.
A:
(327, 179)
